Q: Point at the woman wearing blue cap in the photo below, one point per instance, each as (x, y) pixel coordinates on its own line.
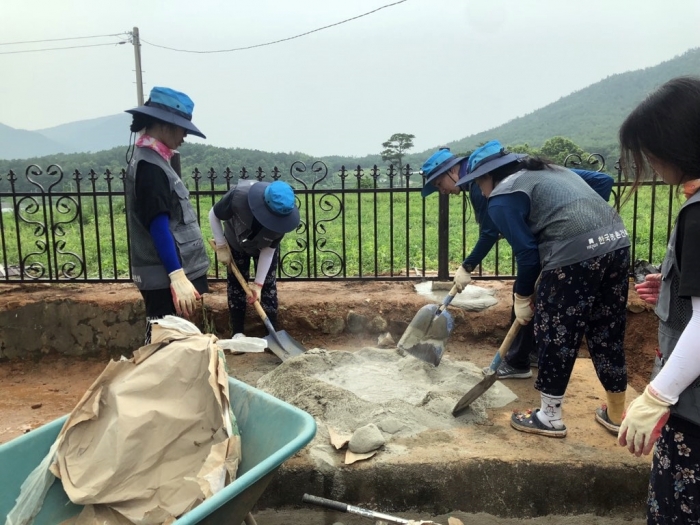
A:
(256, 217)
(561, 230)
(442, 171)
(168, 260)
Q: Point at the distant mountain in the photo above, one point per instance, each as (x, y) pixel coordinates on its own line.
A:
(20, 144)
(91, 135)
(590, 117)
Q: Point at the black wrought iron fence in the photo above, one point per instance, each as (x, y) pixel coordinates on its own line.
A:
(356, 224)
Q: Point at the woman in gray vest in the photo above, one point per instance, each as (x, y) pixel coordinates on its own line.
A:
(256, 217)
(168, 260)
(662, 136)
(562, 231)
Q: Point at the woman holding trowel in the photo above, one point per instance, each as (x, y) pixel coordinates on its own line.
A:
(562, 231)
(443, 170)
(256, 217)
(662, 136)
(168, 260)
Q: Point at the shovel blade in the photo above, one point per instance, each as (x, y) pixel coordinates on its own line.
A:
(426, 334)
(476, 392)
(283, 345)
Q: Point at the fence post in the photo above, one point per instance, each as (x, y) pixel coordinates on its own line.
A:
(443, 237)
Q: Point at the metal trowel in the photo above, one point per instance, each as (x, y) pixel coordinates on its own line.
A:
(426, 335)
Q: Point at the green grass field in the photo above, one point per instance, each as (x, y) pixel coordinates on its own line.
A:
(342, 234)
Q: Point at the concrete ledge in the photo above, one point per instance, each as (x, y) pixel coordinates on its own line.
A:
(503, 488)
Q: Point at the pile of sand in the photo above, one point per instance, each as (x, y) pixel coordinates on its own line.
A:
(400, 394)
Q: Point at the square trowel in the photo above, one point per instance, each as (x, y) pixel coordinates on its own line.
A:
(427, 333)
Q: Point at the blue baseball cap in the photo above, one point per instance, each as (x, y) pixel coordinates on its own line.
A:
(437, 164)
(171, 107)
(487, 158)
(274, 205)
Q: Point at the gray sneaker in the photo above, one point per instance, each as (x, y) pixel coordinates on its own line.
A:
(505, 371)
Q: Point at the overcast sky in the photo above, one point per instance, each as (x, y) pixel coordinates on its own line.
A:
(439, 69)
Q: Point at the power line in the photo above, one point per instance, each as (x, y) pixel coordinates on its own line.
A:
(56, 39)
(276, 41)
(60, 48)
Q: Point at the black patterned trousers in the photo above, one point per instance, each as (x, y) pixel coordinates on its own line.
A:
(237, 301)
(588, 298)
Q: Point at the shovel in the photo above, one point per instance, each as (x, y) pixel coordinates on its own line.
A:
(490, 372)
(427, 333)
(351, 509)
(280, 343)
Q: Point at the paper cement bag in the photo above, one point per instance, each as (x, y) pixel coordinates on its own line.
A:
(154, 435)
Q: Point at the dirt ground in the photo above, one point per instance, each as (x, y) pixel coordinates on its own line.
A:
(38, 390)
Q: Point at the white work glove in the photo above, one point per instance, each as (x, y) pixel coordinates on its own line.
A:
(523, 308)
(185, 295)
(256, 290)
(462, 278)
(642, 422)
(648, 291)
(223, 253)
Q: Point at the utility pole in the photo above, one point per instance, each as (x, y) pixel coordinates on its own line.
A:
(137, 55)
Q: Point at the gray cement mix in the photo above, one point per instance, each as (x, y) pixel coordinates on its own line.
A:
(400, 394)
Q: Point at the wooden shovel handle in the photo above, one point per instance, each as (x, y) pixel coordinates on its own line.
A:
(505, 345)
(244, 284)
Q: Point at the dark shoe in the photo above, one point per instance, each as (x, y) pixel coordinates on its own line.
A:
(534, 360)
(505, 371)
(601, 416)
(529, 422)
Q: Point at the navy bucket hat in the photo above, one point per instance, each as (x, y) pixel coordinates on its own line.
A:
(274, 205)
(171, 107)
(438, 163)
(487, 158)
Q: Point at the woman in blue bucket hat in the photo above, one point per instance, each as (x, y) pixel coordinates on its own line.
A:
(256, 217)
(168, 259)
(442, 171)
(563, 232)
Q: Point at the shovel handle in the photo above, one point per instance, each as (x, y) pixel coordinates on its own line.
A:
(505, 345)
(244, 284)
(448, 299)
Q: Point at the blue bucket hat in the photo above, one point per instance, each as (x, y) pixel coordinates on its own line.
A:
(487, 158)
(171, 107)
(438, 163)
(274, 206)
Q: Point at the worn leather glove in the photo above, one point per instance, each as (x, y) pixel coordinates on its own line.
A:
(648, 291)
(256, 290)
(642, 423)
(185, 295)
(523, 309)
(223, 254)
(462, 278)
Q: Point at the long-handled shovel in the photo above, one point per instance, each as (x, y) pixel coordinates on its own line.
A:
(427, 333)
(280, 343)
(344, 507)
(486, 383)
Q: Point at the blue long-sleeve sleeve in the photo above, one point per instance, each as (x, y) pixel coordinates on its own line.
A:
(509, 213)
(488, 233)
(164, 242)
(602, 183)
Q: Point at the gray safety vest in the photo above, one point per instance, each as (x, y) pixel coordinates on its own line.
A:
(146, 267)
(674, 312)
(570, 221)
(239, 228)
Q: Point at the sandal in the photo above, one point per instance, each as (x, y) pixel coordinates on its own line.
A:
(529, 422)
(601, 416)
